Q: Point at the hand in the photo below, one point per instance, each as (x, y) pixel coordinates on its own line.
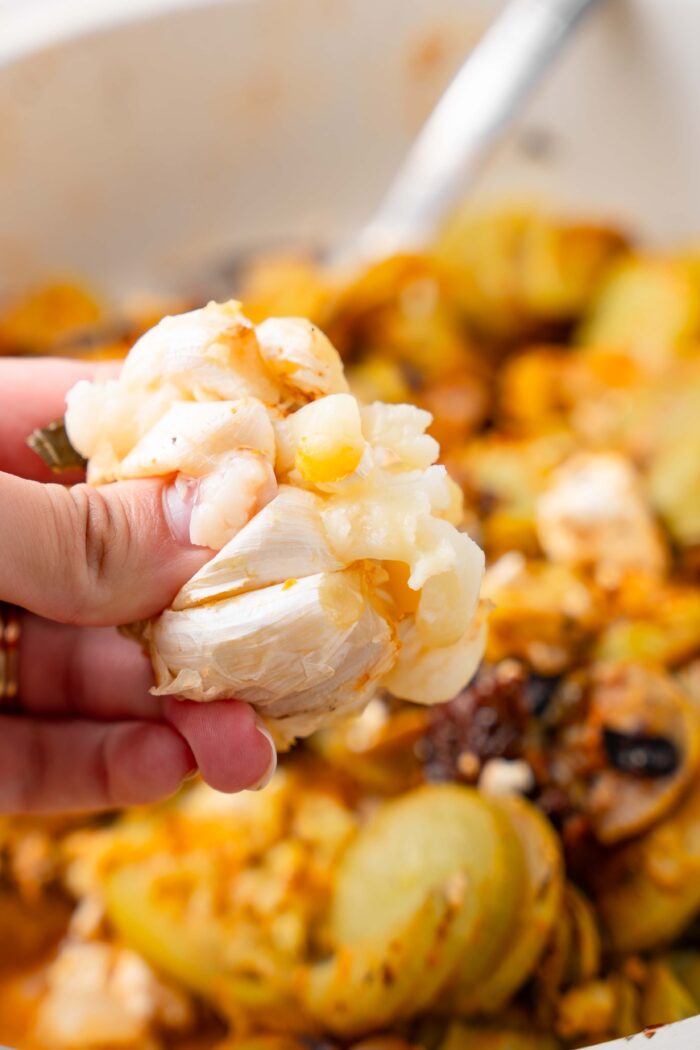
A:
(85, 732)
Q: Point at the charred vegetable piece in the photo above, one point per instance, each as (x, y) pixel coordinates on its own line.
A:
(487, 720)
(650, 731)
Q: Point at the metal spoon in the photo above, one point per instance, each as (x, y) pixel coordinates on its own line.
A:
(481, 101)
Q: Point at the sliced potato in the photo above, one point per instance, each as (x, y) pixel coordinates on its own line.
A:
(554, 966)
(538, 912)
(651, 889)
(649, 307)
(190, 952)
(515, 273)
(586, 944)
(377, 981)
(418, 843)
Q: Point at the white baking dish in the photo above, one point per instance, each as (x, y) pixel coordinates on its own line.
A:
(139, 138)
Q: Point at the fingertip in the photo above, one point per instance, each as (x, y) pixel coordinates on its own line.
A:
(231, 750)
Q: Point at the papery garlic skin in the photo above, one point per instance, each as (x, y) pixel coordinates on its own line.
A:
(339, 568)
(289, 648)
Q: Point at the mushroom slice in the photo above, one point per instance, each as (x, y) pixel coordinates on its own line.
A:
(650, 731)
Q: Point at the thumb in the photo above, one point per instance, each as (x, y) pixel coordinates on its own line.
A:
(99, 556)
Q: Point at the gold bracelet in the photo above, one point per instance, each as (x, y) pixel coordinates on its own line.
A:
(9, 651)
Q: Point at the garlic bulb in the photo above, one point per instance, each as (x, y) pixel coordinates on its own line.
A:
(339, 569)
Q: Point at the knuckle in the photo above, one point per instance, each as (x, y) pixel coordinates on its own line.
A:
(99, 526)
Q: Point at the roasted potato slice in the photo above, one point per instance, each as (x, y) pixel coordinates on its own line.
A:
(418, 843)
(517, 273)
(673, 457)
(598, 1010)
(649, 307)
(382, 979)
(191, 952)
(649, 891)
(586, 941)
(539, 910)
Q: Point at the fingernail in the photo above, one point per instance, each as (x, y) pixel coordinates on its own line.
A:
(178, 500)
(270, 771)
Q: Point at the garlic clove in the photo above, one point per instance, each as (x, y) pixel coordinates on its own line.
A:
(191, 436)
(286, 646)
(427, 675)
(226, 499)
(211, 353)
(328, 440)
(285, 541)
(401, 429)
(301, 356)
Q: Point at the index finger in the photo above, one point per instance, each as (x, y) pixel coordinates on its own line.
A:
(33, 394)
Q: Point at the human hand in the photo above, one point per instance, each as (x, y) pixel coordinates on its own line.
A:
(84, 732)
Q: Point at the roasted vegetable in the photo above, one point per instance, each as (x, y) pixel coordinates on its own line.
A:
(650, 890)
(422, 842)
(539, 910)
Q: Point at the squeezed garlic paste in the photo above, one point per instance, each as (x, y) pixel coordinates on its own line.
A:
(340, 568)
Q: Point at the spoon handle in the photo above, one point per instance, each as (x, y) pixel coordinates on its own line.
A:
(481, 100)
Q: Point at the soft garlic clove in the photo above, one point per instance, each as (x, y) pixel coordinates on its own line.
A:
(448, 600)
(301, 357)
(427, 675)
(211, 353)
(283, 543)
(189, 437)
(328, 439)
(401, 429)
(243, 483)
